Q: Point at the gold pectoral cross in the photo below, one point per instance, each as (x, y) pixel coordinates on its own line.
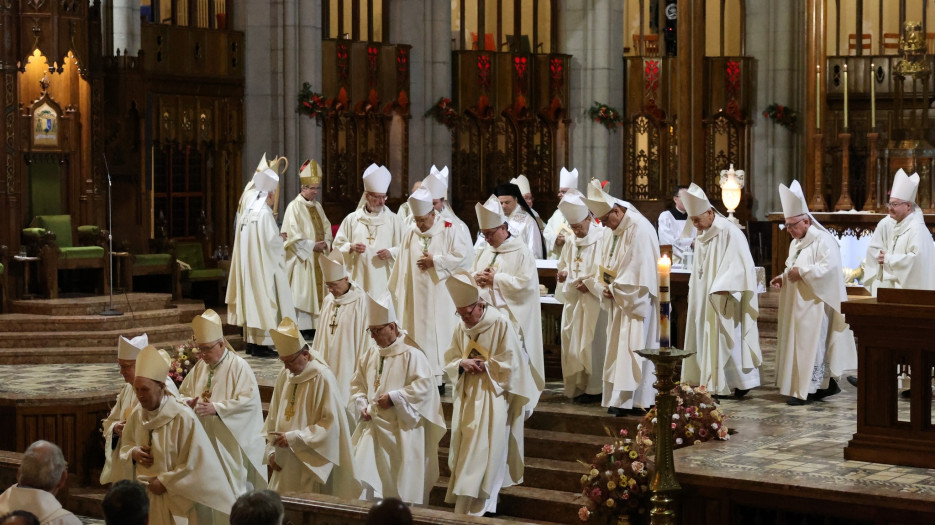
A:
(290, 412)
(206, 396)
(578, 262)
(371, 236)
(334, 319)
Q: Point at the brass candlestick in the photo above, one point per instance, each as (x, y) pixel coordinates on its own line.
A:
(664, 485)
(817, 202)
(844, 201)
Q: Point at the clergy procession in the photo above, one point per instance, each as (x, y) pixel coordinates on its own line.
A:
(373, 323)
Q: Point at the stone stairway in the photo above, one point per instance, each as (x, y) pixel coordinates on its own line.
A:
(71, 330)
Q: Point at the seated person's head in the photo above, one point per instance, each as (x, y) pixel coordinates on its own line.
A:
(126, 503)
(260, 507)
(389, 511)
(43, 467)
(19, 517)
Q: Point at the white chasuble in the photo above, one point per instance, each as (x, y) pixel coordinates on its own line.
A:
(396, 451)
(342, 338)
(114, 469)
(584, 323)
(521, 226)
(305, 224)
(235, 431)
(258, 293)
(40, 503)
(631, 252)
(556, 226)
(319, 457)
(422, 302)
(382, 231)
(185, 463)
(909, 254)
(487, 421)
(515, 292)
(722, 312)
(815, 343)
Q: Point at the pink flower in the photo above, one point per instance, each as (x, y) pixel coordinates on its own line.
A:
(608, 449)
(623, 432)
(596, 494)
(637, 466)
(722, 433)
(673, 425)
(584, 514)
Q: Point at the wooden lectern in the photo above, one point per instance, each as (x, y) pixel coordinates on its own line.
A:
(895, 333)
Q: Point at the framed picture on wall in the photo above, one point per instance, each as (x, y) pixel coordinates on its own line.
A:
(45, 126)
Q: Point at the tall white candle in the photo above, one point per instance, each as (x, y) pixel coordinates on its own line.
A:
(845, 96)
(818, 97)
(873, 96)
(664, 265)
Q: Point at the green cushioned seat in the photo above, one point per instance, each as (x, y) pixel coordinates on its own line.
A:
(152, 259)
(81, 252)
(1, 268)
(190, 253)
(60, 225)
(206, 273)
(89, 229)
(33, 234)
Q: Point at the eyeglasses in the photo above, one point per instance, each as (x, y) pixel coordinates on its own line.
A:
(468, 313)
(791, 224)
(289, 360)
(376, 196)
(377, 329)
(892, 204)
(491, 231)
(206, 348)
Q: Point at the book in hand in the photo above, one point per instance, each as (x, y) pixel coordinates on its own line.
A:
(606, 275)
(476, 351)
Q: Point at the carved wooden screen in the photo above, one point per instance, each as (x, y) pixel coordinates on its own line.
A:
(724, 145)
(644, 152)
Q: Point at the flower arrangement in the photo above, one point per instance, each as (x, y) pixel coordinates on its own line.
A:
(443, 113)
(312, 104)
(605, 116)
(782, 115)
(186, 356)
(617, 481)
(696, 418)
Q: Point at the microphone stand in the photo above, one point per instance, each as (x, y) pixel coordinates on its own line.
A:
(110, 311)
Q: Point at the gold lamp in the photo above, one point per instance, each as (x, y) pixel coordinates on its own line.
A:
(731, 183)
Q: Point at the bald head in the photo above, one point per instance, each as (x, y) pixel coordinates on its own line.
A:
(43, 467)
(390, 511)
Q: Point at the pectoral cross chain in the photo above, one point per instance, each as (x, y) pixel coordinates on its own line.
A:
(334, 319)
(370, 235)
(578, 262)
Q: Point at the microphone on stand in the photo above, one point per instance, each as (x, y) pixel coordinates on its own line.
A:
(110, 311)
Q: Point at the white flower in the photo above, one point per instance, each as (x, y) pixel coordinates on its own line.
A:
(678, 441)
(675, 417)
(714, 426)
(654, 421)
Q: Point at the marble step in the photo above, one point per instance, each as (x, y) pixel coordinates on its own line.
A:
(93, 323)
(522, 502)
(543, 473)
(104, 338)
(79, 354)
(94, 305)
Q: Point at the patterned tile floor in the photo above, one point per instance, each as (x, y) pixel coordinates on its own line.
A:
(804, 444)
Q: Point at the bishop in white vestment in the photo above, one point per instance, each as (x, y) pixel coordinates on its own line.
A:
(342, 339)
(584, 322)
(815, 344)
(722, 304)
(437, 183)
(901, 251)
(222, 390)
(557, 230)
(505, 271)
(172, 454)
(430, 251)
(308, 234)
(629, 288)
(308, 437)
(258, 292)
(493, 384)
(112, 427)
(671, 225)
(395, 398)
(369, 237)
(519, 218)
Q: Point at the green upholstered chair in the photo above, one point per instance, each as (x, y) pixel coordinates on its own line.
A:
(159, 261)
(192, 254)
(50, 237)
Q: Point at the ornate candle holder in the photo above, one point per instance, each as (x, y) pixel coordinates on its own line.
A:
(664, 485)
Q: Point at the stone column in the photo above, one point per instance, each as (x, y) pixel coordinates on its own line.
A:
(426, 26)
(591, 31)
(120, 23)
(775, 35)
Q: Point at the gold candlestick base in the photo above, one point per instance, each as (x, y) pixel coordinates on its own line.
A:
(665, 486)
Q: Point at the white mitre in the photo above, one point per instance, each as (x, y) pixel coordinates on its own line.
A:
(332, 268)
(695, 201)
(151, 365)
(462, 289)
(905, 187)
(573, 208)
(489, 214)
(286, 338)
(523, 183)
(793, 204)
(377, 179)
(420, 202)
(129, 349)
(568, 179)
(437, 182)
(598, 201)
(266, 180)
(380, 312)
